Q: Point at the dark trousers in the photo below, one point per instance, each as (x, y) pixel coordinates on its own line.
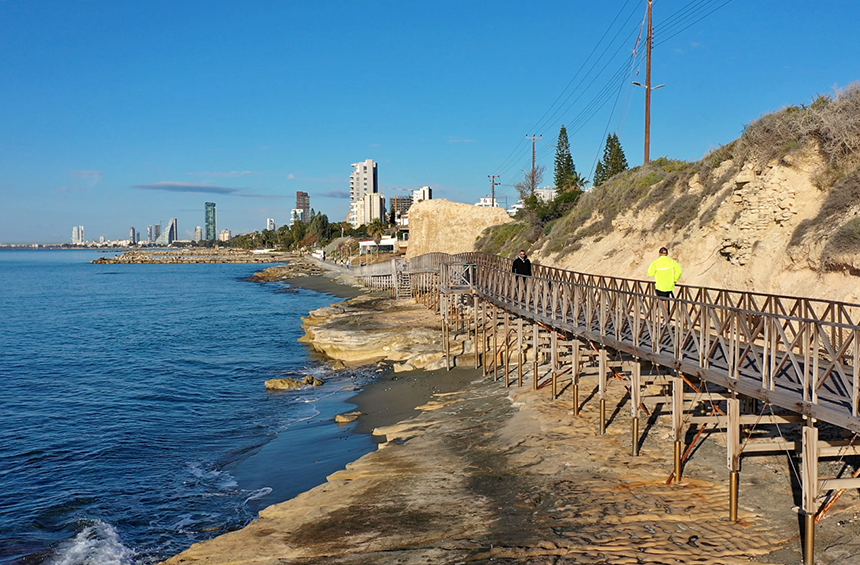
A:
(664, 293)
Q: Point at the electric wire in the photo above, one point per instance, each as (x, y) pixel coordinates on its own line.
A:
(613, 87)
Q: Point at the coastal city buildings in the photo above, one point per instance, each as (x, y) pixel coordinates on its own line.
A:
(156, 232)
(198, 233)
(78, 235)
(225, 235)
(303, 203)
(296, 215)
(169, 235)
(423, 193)
(149, 234)
(270, 224)
(131, 236)
(364, 181)
(209, 221)
(399, 207)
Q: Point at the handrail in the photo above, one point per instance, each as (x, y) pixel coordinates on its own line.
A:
(795, 352)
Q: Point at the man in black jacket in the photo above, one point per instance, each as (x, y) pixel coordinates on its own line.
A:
(522, 265)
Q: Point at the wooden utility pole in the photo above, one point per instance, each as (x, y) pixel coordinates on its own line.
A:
(534, 138)
(649, 43)
(493, 193)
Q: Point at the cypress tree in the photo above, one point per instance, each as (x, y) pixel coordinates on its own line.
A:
(614, 161)
(565, 170)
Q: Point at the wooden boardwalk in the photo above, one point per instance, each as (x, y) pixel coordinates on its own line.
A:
(759, 359)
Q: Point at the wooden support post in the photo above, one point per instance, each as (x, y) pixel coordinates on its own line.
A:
(677, 421)
(574, 375)
(475, 315)
(536, 335)
(554, 362)
(733, 455)
(495, 346)
(809, 479)
(521, 353)
(635, 402)
(601, 386)
(507, 350)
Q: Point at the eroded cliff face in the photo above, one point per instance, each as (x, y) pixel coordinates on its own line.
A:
(442, 226)
(745, 243)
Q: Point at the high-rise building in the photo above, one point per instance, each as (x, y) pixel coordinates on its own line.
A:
(78, 235)
(303, 203)
(399, 205)
(225, 235)
(270, 224)
(374, 207)
(363, 180)
(198, 233)
(131, 235)
(149, 237)
(296, 216)
(170, 234)
(157, 231)
(210, 222)
(423, 193)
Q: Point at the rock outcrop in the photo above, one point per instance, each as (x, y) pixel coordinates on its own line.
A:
(449, 227)
(371, 328)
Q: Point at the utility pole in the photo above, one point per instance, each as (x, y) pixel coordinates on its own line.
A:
(534, 138)
(649, 44)
(493, 193)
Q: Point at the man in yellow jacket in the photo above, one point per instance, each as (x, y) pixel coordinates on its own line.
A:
(666, 272)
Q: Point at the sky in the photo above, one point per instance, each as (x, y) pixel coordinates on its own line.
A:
(120, 114)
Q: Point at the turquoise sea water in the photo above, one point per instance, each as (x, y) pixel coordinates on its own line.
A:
(134, 419)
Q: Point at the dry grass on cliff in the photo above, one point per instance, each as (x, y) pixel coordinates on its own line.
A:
(832, 123)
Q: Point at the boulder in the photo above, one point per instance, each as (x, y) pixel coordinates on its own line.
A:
(284, 384)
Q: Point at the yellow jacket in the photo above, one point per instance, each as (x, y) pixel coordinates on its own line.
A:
(666, 272)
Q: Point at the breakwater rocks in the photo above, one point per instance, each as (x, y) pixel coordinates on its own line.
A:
(195, 256)
(371, 328)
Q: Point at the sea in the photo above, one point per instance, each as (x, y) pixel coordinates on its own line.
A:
(134, 420)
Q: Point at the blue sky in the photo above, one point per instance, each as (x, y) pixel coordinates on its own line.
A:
(118, 114)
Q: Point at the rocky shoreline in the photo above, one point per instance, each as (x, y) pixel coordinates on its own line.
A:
(488, 474)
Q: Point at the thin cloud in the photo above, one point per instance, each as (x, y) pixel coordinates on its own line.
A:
(173, 186)
(88, 175)
(228, 174)
(291, 176)
(335, 194)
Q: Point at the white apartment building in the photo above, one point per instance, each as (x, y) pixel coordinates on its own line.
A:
(270, 224)
(487, 202)
(423, 193)
(363, 180)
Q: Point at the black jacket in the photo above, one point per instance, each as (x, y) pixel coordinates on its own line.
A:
(522, 267)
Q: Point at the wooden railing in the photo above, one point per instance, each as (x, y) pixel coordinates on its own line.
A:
(794, 352)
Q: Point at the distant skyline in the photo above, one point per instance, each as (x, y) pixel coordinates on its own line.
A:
(118, 114)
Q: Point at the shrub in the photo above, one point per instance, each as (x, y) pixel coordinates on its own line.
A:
(845, 241)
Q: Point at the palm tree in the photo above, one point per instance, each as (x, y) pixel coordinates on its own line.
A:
(376, 229)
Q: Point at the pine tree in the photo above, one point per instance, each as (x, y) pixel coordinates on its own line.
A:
(614, 161)
(565, 171)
